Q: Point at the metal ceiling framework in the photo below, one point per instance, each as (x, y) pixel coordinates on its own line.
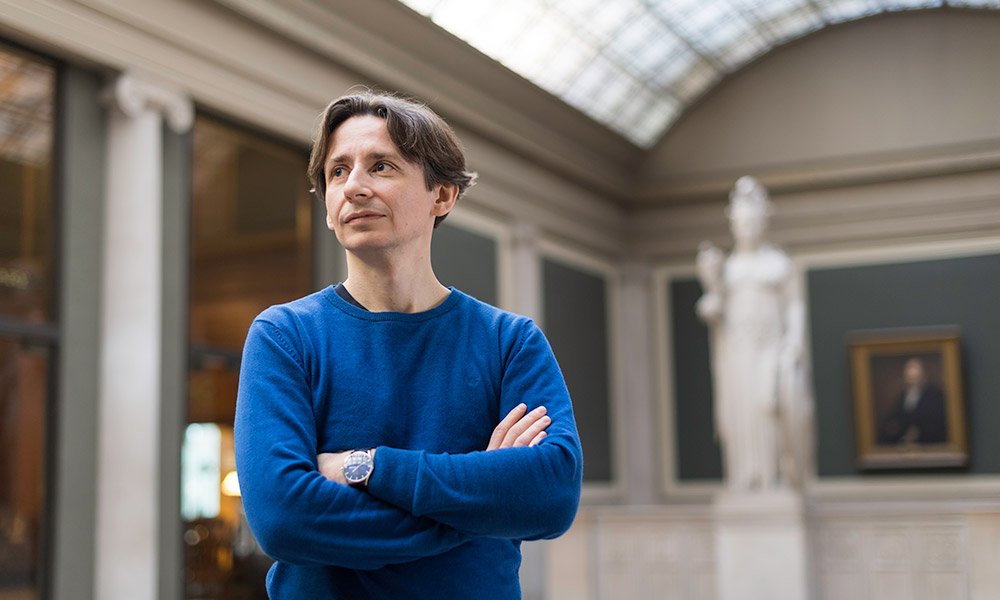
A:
(635, 65)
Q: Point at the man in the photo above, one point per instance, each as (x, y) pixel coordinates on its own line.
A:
(372, 456)
(917, 416)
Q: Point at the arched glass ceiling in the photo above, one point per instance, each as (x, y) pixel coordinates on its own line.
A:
(634, 65)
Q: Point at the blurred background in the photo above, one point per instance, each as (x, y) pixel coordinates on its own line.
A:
(153, 200)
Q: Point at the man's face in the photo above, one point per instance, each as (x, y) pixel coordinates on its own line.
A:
(376, 200)
(913, 372)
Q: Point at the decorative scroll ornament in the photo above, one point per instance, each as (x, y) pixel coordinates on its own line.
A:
(133, 95)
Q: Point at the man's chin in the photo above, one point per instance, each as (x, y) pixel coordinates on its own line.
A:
(364, 244)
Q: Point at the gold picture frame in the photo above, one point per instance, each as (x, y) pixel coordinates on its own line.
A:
(909, 408)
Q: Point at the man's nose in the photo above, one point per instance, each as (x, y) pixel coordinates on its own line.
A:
(356, 186)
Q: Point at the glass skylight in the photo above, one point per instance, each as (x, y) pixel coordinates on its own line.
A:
(634, 65)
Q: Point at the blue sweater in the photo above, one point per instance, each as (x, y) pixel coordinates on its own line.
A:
(441, 518)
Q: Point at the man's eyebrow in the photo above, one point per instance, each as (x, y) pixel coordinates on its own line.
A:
(371, 156)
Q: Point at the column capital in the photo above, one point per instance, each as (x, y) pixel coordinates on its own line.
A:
(524, 233)
(133, 94)
(636, 271)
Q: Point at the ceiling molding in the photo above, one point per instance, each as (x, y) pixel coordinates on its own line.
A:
(856, 170)
(947, 207)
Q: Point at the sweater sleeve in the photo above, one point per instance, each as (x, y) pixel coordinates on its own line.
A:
(514, 493)
(296, 514)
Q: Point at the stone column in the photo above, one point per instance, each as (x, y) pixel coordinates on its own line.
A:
(636, 370)
(130, 369)
(527, 271)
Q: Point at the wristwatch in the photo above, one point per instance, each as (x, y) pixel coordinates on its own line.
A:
(358, 467)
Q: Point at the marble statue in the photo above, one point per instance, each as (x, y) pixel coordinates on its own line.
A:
(753, 305)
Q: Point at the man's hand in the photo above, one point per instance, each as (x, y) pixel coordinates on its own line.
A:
(331, 465)
(520, 429)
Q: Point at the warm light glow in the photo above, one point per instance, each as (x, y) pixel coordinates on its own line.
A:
(231, 485)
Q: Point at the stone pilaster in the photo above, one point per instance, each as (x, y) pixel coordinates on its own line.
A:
(130, 374)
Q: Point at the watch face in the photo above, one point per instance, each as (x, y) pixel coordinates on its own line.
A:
(357, 466)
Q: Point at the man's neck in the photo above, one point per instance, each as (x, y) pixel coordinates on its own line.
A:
(386, 286)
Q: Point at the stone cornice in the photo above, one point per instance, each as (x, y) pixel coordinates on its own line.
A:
(834, 173)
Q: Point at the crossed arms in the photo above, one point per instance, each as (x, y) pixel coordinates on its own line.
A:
(525, 485)
(519, 428)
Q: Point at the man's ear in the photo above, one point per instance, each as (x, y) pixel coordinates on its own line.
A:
(329, 221)
(447, 194)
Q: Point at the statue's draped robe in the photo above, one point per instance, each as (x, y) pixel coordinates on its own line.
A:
(758, 380)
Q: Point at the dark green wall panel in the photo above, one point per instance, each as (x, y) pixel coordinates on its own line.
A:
(699, 456)
(575, 321)
(959, 291)
(465, 260)
(177, 171)
(82, 138)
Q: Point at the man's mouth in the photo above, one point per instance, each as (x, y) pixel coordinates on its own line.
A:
(362, 216)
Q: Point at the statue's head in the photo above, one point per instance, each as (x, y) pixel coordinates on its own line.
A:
(749, 210)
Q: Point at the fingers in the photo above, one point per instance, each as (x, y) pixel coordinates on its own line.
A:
(532, 431)
(520, 428)
(529, 425)
(501, 430)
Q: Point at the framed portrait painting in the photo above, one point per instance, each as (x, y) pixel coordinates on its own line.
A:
(909, 409)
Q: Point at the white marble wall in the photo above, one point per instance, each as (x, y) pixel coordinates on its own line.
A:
(660, 559)
(643, 553)
(860, 551)
(893, 551)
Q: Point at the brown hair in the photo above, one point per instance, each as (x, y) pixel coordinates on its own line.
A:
(420, 134)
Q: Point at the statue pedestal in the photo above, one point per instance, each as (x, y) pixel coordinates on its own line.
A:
(761, 549)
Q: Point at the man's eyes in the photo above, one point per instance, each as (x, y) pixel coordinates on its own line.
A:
(381, 167)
